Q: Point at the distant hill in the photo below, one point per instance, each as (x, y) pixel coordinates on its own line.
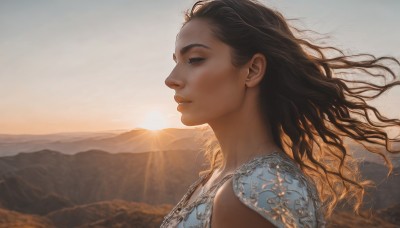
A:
(136, 188)
(114, 213)
(134, 141)
(14, 219)
(386, 192)
(346, 219)
(91, 176)
(95, 188)
(150, 177)
(391, 214)
(18, 195)
(359, 152)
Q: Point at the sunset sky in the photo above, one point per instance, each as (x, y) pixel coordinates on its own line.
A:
(96, 65)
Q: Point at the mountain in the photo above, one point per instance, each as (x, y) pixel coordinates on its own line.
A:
(154, 177)
(95, 188)
(134, 141)
(359, 152)
(391, 214)
(18, 195)
(14, 219)
(66, 136)
(385, 193)
(114, 213)
(138, 187)
(346, 219)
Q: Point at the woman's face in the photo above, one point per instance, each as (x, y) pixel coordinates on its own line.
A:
(204, 76)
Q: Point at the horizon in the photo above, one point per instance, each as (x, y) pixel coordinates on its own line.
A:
(102, 131)
(71, 66)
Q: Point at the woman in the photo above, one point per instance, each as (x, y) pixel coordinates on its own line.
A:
(279, 112)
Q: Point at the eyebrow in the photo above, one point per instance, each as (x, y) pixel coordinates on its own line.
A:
(190, 46)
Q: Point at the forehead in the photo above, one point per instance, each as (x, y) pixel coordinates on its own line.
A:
(195, 31)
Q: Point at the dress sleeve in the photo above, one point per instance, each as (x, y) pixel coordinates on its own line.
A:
(277, 193)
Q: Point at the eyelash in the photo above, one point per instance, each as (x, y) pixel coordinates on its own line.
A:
(195, 60)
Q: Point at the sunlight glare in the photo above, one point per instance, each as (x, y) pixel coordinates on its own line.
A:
(154, 120)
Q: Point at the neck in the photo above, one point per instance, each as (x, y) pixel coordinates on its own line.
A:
(243, 135)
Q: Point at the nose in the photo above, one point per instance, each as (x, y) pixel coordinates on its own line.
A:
(173, 82)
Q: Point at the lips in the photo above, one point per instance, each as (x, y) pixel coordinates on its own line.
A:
(180, 99)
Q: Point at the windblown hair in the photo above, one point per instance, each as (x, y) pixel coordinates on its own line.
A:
(312, 96)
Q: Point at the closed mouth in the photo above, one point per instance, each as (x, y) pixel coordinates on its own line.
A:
(181, 100)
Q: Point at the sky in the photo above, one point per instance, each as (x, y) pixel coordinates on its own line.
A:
(97, 65)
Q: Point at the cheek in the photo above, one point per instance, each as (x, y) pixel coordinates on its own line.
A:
(209, 82)
(217, 88)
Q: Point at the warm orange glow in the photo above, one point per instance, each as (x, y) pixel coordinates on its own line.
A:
(155, 120)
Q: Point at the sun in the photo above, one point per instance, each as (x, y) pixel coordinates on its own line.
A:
(154, 120)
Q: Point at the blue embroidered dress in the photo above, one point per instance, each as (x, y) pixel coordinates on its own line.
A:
(272, 185)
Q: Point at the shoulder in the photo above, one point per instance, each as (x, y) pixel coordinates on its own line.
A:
(229, 211)
(270, 191)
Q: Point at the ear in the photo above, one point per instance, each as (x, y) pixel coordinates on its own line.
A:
(256, 70)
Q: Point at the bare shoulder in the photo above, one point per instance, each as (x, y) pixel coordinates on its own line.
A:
(229, 211)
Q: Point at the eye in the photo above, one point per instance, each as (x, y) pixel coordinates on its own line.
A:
(195, 60)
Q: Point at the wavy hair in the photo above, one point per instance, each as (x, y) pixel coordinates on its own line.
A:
(312, 96)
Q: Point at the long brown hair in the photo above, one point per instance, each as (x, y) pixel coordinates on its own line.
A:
(312, 96)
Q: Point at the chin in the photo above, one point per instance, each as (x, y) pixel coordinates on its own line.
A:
(190, 121)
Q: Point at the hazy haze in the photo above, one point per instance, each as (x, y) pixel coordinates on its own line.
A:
(99, 65)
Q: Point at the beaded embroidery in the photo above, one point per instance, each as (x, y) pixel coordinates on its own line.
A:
(272, 185)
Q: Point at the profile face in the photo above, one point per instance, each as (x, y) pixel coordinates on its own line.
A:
(204, 76)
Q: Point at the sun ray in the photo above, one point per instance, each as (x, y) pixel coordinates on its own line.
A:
(154, 120)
